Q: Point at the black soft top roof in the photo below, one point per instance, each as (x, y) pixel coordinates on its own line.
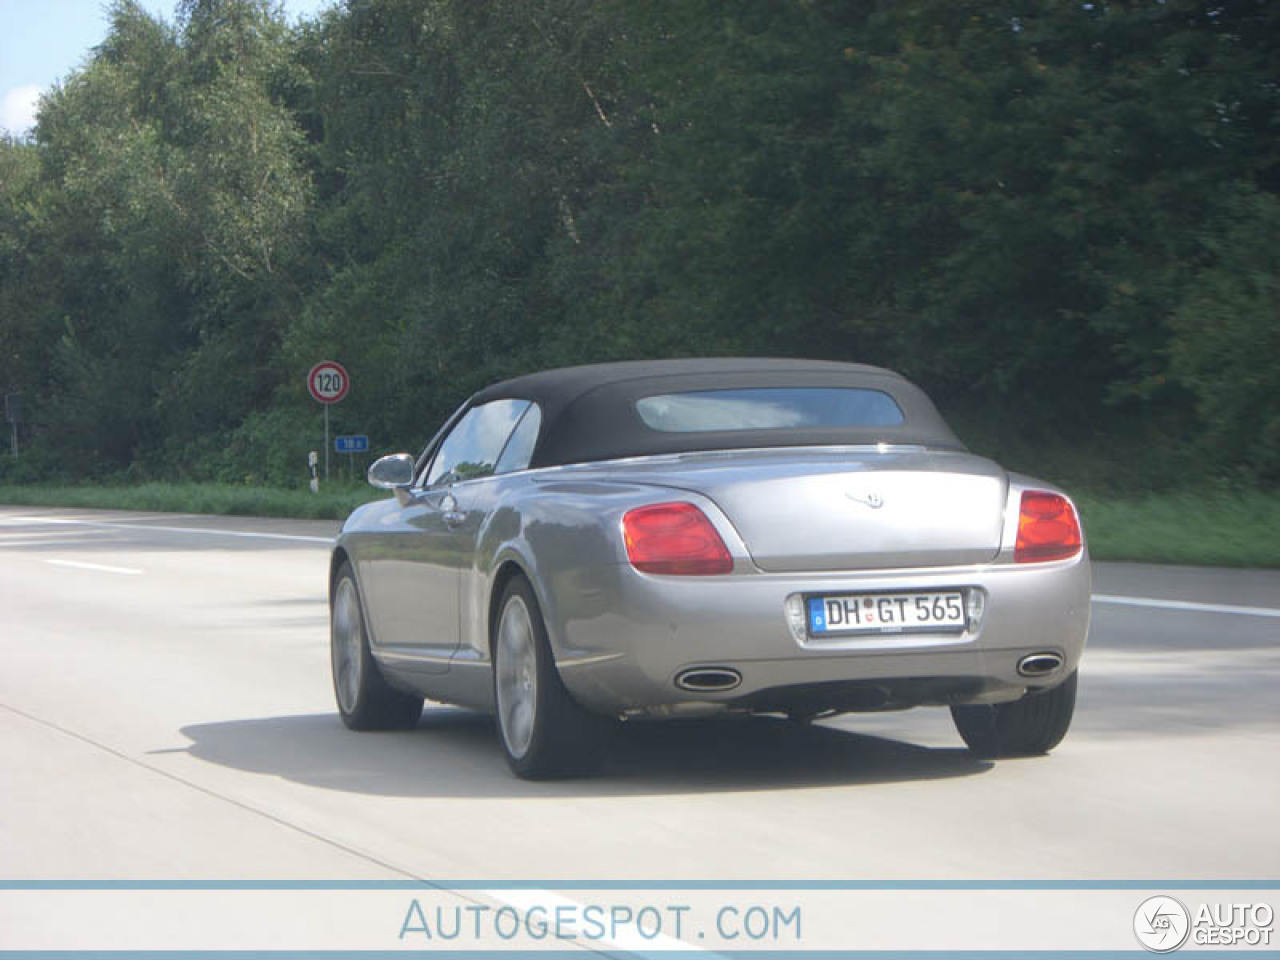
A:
(588, 412)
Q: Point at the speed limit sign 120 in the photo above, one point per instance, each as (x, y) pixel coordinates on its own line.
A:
(328, 382)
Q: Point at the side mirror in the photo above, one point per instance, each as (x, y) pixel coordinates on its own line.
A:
(392, 473)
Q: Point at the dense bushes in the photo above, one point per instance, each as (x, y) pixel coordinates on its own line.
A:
(1060, 218)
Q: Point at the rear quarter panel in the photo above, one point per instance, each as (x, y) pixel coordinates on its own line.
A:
(564, 536)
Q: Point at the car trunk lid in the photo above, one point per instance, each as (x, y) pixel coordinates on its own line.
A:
(855, 509)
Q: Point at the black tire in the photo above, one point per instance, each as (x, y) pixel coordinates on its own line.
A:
(1033, 725)
(544, 732)
(365, 700)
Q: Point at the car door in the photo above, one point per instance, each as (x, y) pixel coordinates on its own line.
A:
(411, 569)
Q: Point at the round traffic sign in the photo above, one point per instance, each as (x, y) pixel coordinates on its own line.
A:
(328, 382)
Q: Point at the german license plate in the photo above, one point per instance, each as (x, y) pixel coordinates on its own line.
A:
(886, 613)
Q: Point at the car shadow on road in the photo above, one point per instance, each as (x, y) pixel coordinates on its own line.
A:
(454, 753)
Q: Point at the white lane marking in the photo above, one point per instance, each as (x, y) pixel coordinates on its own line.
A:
(627, 938)
(251, 535)
(100, 567)
(1186, 606)
(42, 533)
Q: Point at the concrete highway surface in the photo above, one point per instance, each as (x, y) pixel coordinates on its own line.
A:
(166, 713)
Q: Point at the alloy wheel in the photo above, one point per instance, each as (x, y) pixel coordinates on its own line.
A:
(517, 677)
(348, 640)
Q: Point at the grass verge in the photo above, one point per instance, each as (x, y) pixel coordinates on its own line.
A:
(1209, 529)
(1213, 529)
(226, 499)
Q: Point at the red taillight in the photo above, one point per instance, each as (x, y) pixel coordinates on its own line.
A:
(1047, 528)
(674, 538)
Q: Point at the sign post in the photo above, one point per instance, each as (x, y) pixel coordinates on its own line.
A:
(328, 383)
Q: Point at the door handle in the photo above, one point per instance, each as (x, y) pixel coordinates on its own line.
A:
(452, 515)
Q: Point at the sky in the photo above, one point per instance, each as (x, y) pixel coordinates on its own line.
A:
(42, 41)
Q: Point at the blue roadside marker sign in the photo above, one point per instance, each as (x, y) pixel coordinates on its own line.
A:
(356, 443)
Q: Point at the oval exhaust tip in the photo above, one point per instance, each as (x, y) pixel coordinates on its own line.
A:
(708, 679)
(1039, 664)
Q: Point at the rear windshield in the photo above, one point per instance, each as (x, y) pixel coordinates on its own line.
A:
(768, 408)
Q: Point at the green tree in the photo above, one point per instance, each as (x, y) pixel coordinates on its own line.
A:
(1056, 216)
(23, 352)
(1227, 336)
(176, 191)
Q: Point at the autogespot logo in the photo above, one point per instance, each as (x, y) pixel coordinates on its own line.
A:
(1161, 924)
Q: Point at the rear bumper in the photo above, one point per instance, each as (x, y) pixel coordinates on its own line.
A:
(624, 655)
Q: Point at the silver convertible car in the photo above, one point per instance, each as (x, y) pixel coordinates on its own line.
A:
(673, 538)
